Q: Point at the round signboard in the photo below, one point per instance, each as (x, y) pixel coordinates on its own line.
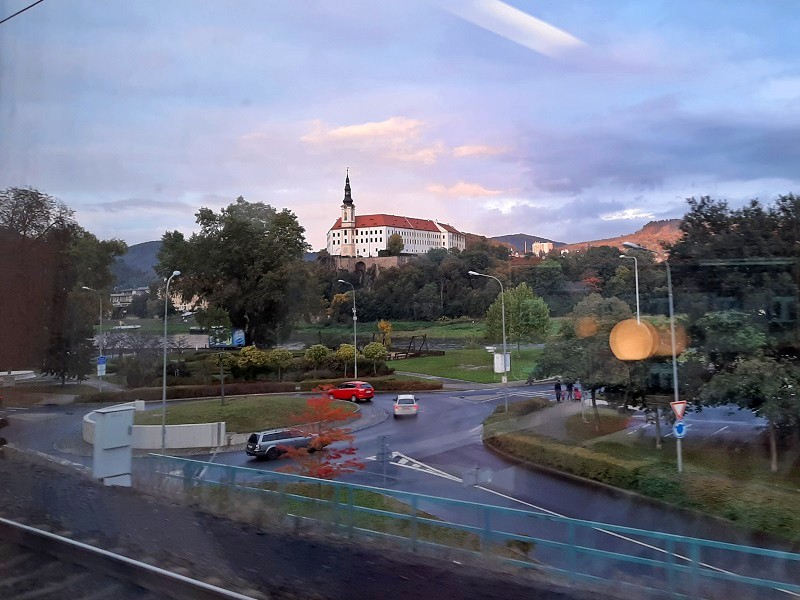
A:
(679, 429)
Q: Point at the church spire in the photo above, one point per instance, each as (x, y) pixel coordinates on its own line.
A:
(348, 199)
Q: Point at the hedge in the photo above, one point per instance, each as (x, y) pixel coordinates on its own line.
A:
(380, 384)
(571, 459)
(190, 391)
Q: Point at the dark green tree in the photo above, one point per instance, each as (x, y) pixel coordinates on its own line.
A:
(247, 259)
(394, 245)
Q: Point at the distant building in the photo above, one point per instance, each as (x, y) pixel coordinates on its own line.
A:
(366, 235)
(124, 298)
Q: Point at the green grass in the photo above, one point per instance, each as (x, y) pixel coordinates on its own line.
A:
(469, 365)
(241, 414)
(731, 480)
(175, 326)
(403, 330)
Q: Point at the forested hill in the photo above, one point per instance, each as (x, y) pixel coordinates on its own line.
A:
(135, 269)
(653, 235)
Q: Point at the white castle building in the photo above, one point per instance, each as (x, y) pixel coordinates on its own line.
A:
(366, 235)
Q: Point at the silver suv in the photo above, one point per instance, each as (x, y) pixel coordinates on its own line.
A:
(267, 444)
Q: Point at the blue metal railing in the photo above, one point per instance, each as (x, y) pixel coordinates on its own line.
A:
(661, 563)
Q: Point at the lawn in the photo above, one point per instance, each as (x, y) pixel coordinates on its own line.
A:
(469, 365)
(175, 326)
(402, 330)
(29, 394)
(728, 479)
(241, 414)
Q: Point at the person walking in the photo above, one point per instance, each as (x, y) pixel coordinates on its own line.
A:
(557, 388)
(569, 390)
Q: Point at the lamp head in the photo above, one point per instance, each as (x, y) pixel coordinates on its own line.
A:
(84, 287)
(342, 281)
(175, 273)
(623, 256)
(474, 273)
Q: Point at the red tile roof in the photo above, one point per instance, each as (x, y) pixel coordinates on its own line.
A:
(395, 221)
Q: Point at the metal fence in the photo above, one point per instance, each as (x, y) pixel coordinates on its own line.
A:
(658, 564)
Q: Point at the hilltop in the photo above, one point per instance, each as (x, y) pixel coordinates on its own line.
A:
(654, 235)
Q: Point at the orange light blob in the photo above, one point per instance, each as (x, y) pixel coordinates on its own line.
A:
(586, 327)
(632, 340)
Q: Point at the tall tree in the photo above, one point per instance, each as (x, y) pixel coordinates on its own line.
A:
(248, 259)
(582, 352)
(527, 317)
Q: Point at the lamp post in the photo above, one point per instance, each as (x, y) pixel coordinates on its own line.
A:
(503, 315)
(355, 335)
(633, 246)
(100, 297)
(636, 279)
(164, 372)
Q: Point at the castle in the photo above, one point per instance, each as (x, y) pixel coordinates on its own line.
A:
(367, 235)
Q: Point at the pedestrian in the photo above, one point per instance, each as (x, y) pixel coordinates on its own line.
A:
(570, 389)
(557, 388)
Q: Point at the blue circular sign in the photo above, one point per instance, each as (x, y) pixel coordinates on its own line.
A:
(679, 429)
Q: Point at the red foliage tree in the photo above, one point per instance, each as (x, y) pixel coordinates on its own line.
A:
(331, 452)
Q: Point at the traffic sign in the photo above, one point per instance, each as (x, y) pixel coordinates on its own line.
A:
(101, 360)
(678, 408)
(679, 429)
(101, 366)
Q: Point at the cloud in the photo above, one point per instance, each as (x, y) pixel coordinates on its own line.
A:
(514, 25)
(627, 215)
(136, 204)
(477, 150)
(398, 138)
(463, 189)
(393, 130)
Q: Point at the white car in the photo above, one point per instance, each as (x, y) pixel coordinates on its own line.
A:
(405, 404)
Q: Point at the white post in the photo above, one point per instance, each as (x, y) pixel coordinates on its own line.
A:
(503, 316)
(355, 335)
(164, 371)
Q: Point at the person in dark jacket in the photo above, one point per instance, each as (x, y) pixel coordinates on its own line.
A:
(557, 388)
(569, 389)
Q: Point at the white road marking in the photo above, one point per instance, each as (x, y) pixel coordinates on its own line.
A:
(439, 473)
(720, 430)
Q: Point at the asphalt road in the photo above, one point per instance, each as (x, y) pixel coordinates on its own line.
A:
(432, 452)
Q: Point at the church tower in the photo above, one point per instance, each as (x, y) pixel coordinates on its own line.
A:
(348, 220)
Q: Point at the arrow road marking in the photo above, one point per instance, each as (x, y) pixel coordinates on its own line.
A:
(427, 468)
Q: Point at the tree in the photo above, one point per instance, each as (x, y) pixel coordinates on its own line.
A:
(765, 386)
(385, 328)
(322, 420)
(583, 352)
(315, 355)
(280, 358)
(376, 352)
(527, 316)
(345, 354)
(247, 259)
(394, 245)
(216, 321)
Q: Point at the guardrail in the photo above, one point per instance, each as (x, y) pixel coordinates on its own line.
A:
(662, 564)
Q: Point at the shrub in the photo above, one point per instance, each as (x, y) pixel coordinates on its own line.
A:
(189, 391)
(571, 459)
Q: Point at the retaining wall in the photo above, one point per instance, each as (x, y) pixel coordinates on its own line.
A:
(148, 437)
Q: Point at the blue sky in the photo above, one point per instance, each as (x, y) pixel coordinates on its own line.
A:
(571, 120)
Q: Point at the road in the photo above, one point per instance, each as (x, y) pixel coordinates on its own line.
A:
(433, 451)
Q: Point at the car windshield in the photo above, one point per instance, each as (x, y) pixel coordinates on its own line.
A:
(572, 227)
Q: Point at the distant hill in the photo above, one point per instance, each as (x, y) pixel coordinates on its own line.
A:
(522, 242)
(654, 236)
(135, 269)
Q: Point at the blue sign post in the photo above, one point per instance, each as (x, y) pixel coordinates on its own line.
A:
(101, 366)
(679, 430)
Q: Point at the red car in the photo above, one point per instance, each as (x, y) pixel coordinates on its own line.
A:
(352, 390)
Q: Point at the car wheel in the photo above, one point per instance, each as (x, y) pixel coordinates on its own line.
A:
(395, 416)
(272, 454)
(353, 398)
(331, 396)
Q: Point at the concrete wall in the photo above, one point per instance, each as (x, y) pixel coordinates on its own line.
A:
(148, 437)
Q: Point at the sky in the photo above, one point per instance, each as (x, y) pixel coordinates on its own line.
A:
(570, 120)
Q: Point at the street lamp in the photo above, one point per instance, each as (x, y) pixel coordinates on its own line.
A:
(100, 297)
(355, 336)
(503, 314)
(164, 372)
(633, 246)
(636, 275)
